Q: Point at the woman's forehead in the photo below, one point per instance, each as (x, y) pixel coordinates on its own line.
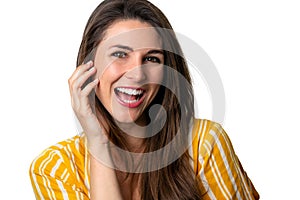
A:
(132, 33)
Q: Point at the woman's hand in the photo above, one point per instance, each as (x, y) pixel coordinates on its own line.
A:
(80, 92)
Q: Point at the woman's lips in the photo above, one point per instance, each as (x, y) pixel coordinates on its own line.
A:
(129, 96)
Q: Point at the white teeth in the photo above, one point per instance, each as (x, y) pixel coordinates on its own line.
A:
(130, 91)
(130, 101)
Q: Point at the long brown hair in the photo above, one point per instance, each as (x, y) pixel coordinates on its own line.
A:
(177, 180)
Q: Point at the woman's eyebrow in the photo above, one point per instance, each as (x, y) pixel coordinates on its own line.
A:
(122, 47)
(155, 51)
(152, 51)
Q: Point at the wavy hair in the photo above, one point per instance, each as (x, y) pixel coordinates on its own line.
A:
(177, 180)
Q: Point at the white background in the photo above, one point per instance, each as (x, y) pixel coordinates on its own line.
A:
(255, 46)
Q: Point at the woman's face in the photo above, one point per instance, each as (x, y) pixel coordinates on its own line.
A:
(129, 62)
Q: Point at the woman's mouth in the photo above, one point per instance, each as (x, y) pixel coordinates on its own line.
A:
(130, 97)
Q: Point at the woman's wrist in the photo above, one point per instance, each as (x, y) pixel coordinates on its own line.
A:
(100, 151)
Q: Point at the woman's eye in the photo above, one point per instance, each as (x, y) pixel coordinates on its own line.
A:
(152, 59)
(119, 54)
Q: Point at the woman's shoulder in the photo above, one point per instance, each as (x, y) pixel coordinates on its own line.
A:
(217, 164)
(205, 128)
(62, 161)
(71, 147)
(61, 170)
(206, 134)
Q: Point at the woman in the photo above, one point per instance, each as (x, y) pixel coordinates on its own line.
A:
(128, 62)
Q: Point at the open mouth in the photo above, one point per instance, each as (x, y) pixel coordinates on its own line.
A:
(130, 97)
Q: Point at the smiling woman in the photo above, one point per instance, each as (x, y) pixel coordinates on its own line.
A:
(127, 65)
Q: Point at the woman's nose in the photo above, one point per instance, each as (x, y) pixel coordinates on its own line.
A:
(135, 69)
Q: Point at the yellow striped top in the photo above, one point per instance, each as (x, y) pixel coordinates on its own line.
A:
(62, 171)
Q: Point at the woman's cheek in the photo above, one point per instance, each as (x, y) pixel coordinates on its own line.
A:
(102, 63)
(155, 74)
(115, 70)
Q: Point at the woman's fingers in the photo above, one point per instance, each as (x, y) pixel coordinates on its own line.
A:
(81, 69)
(89, 87)
(81, 80)
(79, 94)
(80, 76)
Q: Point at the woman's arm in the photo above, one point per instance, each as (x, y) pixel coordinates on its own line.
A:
(103, 179)
(104, 184)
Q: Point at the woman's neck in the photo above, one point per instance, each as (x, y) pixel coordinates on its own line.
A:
(134, 135)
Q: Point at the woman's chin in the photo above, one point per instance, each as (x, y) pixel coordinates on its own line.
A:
(124, 119)
(129, 120)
